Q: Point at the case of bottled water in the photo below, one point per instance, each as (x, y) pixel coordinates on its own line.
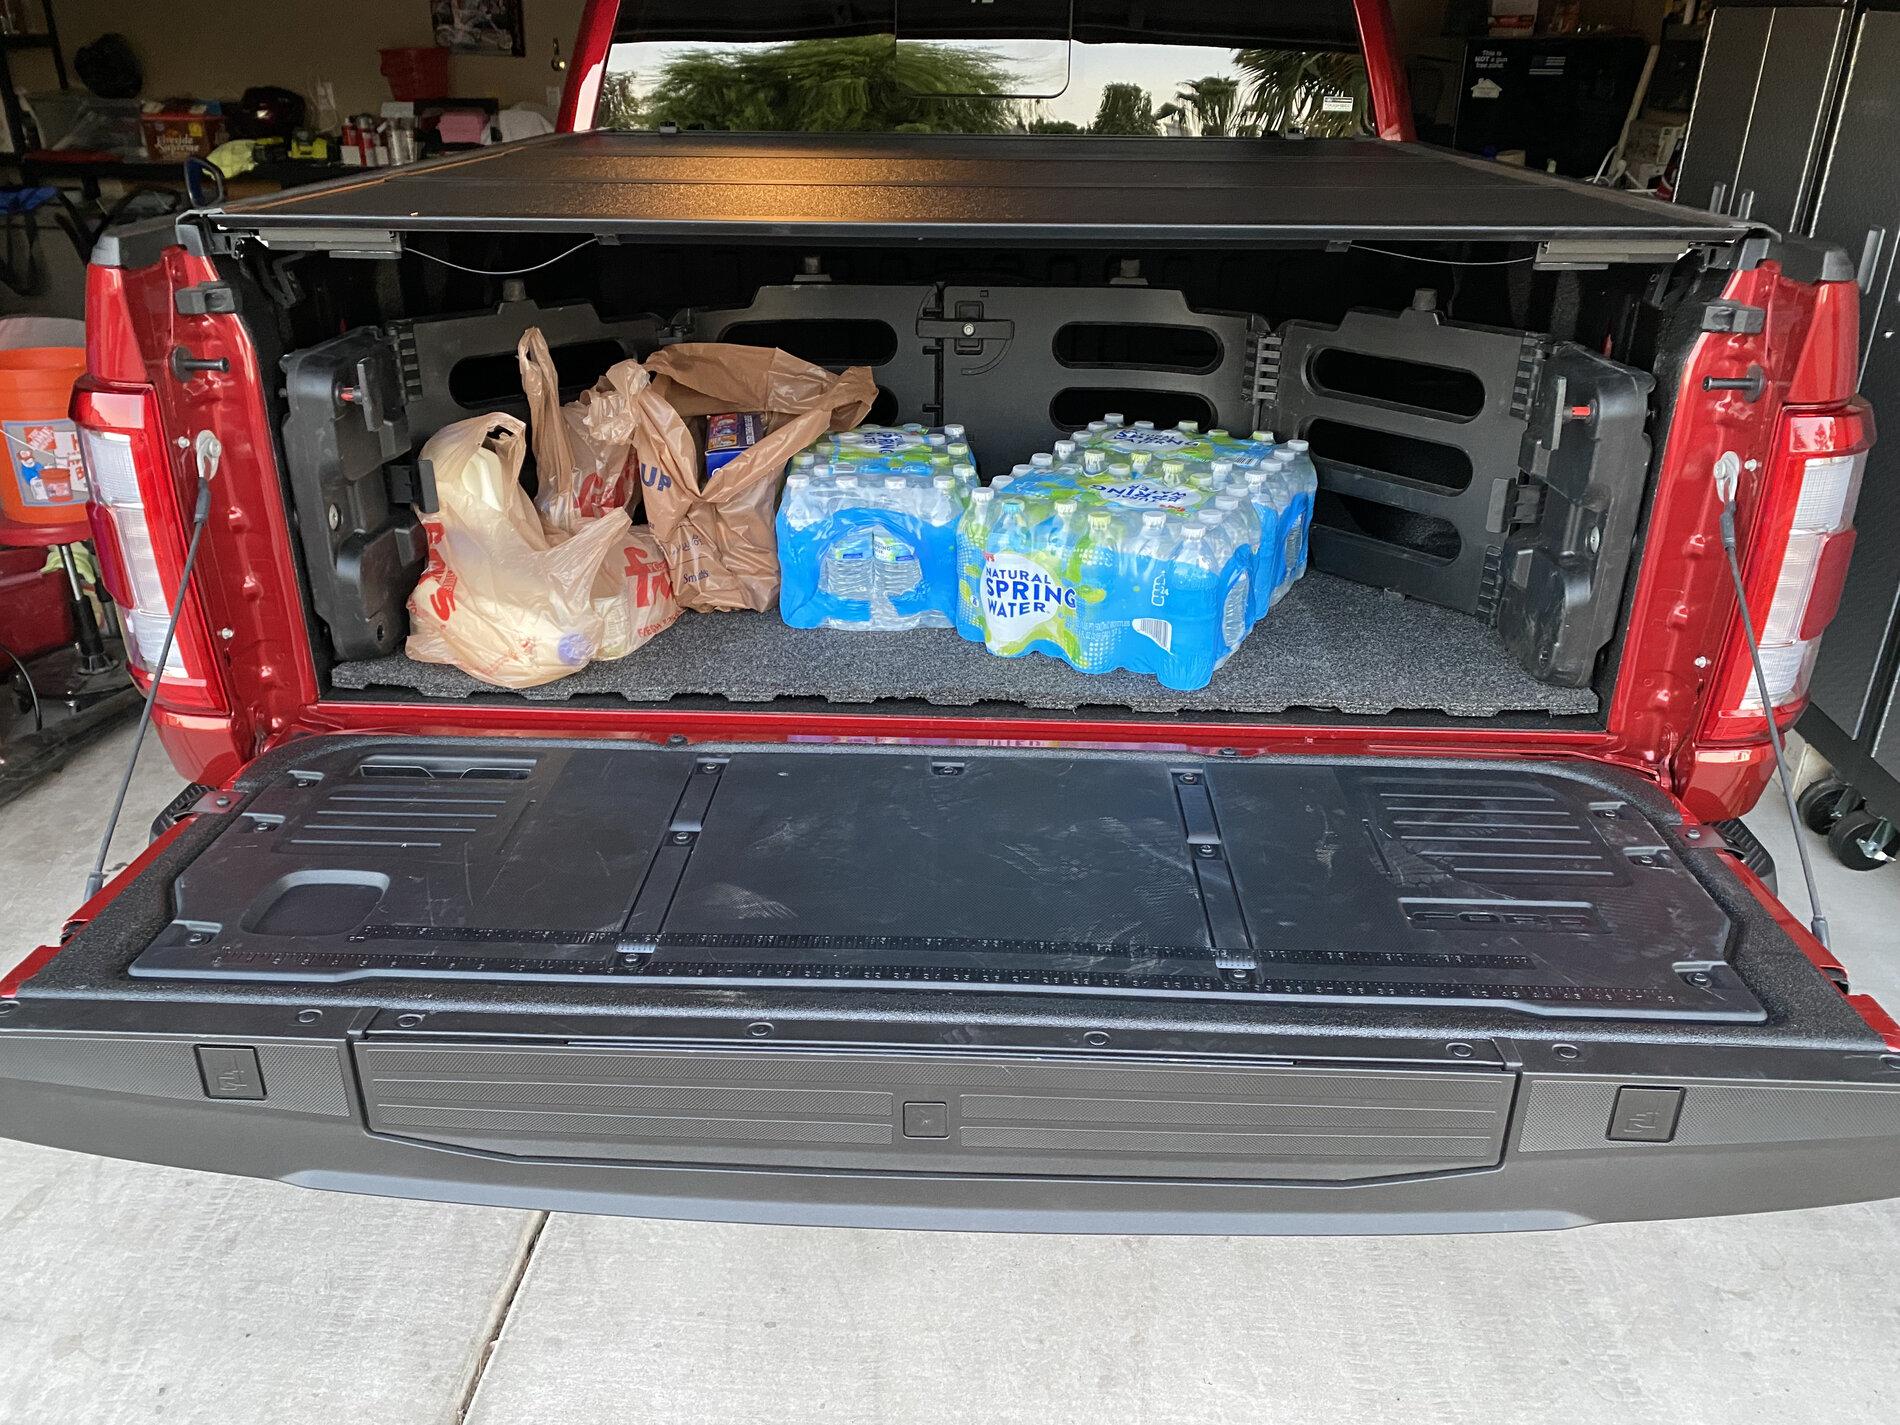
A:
(1135, 548)
(867, 528)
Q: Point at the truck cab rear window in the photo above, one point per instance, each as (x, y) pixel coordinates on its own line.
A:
(1024, 66)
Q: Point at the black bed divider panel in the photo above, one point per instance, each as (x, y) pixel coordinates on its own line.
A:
(1020, 366)
(1496, 472)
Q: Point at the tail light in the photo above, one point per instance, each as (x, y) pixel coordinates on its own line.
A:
(140, 523)
(1795, 563)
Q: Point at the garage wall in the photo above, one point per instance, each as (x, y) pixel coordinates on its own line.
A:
(219, 50)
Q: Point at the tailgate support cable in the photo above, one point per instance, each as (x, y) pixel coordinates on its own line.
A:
(1728, 472)
(208, 450)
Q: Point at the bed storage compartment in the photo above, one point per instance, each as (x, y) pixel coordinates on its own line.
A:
(1481, 486)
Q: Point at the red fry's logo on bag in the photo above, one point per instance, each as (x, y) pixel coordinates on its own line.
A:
(588, 501)
(650, 582)
(598, 495)
(442, 597)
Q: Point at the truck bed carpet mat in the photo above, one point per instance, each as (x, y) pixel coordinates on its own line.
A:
(1330, 644)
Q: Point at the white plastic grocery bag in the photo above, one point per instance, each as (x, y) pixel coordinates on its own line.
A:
(502, 598)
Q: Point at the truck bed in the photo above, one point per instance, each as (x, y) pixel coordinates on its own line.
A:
(1014, 188)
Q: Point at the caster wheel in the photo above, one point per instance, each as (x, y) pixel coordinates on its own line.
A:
(1821, 805)
(1862, 841)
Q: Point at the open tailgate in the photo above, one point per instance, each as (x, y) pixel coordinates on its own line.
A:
(964, 986)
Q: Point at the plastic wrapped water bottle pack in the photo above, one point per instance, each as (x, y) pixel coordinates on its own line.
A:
(867, 528)
(1132, 547)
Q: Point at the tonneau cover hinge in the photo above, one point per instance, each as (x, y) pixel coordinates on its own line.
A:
(1604, 249)
(338, 242)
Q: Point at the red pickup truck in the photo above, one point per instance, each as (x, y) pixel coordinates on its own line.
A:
(1417, 917)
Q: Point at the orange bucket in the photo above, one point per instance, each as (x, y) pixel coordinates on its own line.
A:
(43, 481)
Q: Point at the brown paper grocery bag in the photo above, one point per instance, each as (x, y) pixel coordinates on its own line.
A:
(718, 534)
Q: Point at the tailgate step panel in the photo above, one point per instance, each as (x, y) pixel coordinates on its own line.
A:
(806, 1109)
(1126, 873)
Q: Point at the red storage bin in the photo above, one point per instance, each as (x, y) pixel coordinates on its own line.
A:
(421, 73)
(36, 615)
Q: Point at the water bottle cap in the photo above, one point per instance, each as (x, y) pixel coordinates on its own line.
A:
(1144, 425)
(894, 482)
(1064, 449)
(1218, 432)
(1172, 467)
(1112, 418)
(1096, 426)
(1283, 457)
(1120, 468)
(1093, 461)
(1195, 531)
(1042, 460)
(953, 431)
(1208, 518)
(958, 449)
(963, 472)
(1264, 435)
(1013, 504)
(1226, 502)
(804, 460)
(1191, 427)
(797, 480)
(1301, 446)
(936, 437)
(821, 468)
(944, 482)
(982, 494)
(1021, 469)
(1065, 508)
(1153, 519)
(1222, 467)
(912, 426)
(847, 481)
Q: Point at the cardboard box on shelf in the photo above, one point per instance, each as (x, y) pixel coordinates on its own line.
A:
(1513, 17)
(175, 132)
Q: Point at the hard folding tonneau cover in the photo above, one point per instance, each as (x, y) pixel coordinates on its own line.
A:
(1012, 188)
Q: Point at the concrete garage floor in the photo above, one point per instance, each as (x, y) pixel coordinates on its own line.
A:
(135, 1294)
